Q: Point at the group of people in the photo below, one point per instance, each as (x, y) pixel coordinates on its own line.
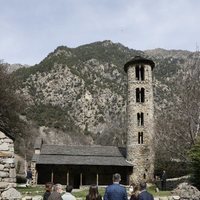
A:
(54, 192)
(118, 192)
(140, 192)
(112, 192)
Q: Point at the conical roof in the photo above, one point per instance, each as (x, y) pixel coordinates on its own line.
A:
(139, 60)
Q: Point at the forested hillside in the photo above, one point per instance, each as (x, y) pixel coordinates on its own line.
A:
(78, 96)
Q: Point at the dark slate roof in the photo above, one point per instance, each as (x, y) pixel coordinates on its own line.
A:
(81, 150)
(81, 155)
(35, 157)
(139, 60)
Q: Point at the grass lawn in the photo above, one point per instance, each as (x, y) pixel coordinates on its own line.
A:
(152, 190)
(39, 190)
(31, 190)
(83, 193)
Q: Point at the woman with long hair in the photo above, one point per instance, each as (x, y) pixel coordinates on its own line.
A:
(93, 193)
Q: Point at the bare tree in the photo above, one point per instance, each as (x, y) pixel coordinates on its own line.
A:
(11, 104)
(179, 125)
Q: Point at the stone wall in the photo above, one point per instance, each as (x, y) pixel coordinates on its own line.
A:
(7, 163)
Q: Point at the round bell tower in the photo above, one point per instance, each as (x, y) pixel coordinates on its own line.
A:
(140, 118)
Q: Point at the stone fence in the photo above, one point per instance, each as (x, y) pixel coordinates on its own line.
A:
(7, 164)
(172, 183)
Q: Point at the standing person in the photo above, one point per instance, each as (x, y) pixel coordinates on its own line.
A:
(93, 193)
(28, 177)
(115, 191)
(48, 188)
(163, 180)
(135, 192)
(56, 194)
(68, 195)
(144, 195)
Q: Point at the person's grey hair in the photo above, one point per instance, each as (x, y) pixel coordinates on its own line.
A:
(116, 177)
(57, 187)
(143, 185)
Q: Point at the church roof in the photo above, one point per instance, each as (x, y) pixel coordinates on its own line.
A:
(81, 155)
(139, 60)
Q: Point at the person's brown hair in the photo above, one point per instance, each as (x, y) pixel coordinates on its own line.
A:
(93, 192)
(49, 186)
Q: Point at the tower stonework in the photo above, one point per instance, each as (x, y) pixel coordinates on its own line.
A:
(140, 118)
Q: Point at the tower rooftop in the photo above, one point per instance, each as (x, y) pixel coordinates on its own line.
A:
(139, 60)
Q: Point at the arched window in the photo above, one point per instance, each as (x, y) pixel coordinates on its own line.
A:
(142, 94)
(140, 119)
(140, 97)
(139, 72)
(142, 73)
(137, 95)
(140, 137)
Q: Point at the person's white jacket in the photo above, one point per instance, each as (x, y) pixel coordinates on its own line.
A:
(68, 196)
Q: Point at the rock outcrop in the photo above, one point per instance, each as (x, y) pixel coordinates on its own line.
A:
(11, 194)
(187, 192)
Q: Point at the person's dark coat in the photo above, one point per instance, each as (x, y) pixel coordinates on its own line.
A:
(144, 195)
(134, 197)
(115, 192)
(29, 174)
(46, 195)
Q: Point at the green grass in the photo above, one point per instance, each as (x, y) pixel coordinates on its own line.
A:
(39, 190)
(152, 190)
(31, 191)
(83, 193)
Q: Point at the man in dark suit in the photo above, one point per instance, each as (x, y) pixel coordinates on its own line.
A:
(115, 191)
(163, 180)
(144, 195)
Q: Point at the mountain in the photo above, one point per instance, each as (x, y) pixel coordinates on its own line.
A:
(13, 67)
(78, 95)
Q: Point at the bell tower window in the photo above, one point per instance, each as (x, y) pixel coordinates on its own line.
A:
(139, 72)
(140, 96)
(140, 119)
(140, 137)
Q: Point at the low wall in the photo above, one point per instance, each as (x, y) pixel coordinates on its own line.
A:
(173, 182)
(7, 163)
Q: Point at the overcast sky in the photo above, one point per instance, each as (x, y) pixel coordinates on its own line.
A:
(31, 29)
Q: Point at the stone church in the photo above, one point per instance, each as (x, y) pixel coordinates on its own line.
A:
(86, 165)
